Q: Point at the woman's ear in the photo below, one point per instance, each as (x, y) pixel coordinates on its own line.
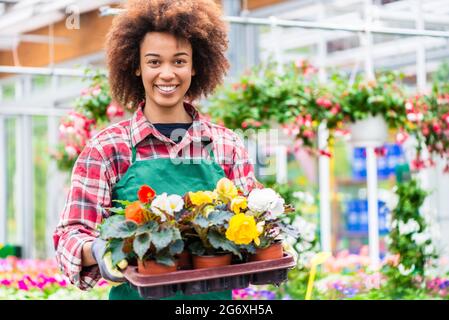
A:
(138, 73)
(193, 72)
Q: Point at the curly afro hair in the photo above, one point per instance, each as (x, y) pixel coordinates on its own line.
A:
(198, 21)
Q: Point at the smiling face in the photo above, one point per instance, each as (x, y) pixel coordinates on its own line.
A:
(166, 69)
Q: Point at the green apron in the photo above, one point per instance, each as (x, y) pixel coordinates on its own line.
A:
(172, 176)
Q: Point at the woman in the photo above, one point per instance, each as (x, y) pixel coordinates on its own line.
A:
(160, 54)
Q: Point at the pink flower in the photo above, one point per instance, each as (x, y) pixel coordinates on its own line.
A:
(418, 164)
(22, 285)
(325, 153)
(323, 102)
(401, 137)
(96, 90)
(244, 124)
(114, 110)
(257, 124)
(335, 109)
(308, 133)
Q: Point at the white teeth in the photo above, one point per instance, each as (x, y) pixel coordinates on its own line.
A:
(167, 88)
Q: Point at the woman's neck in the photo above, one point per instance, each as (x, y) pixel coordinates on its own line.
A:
(176, 114)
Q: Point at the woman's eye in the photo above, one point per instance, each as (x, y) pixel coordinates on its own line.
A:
(153, 62)
(179, 62)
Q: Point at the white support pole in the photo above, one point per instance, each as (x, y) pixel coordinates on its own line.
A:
(24, 195)
(53, 183)
(325, 199)
(371, 164)
(3, 182)
(373, 215)
(323, 161)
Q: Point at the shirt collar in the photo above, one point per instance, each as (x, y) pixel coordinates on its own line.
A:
(141, 127)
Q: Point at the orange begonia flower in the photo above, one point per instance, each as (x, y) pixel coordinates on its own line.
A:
(135, 212)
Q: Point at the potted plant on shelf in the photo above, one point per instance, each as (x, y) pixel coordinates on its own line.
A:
(145, 230)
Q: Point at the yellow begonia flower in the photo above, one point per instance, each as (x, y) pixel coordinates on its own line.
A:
(202, 197)
(226, 189)
(238, 204)
(242, 230)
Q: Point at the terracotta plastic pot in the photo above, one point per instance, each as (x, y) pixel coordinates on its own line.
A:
(185, 260)
(274, 251)
(149, 267)
(202, 262)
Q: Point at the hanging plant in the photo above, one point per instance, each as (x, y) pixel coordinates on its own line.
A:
(93, 111)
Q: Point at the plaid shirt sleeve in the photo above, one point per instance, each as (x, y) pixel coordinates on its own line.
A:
(242, 169)
(89, 193)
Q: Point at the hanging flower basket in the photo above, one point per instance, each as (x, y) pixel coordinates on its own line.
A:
(369, 132)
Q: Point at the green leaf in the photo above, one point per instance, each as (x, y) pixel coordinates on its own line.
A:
(176, 234)
(176, 247)
(201, 221)
(219, 241)
(123, 202)
(165, 259)
(116, 248)
(219, 217)
(119, 211)
(119, 229)
(148, 227)
(162, 238)
(109, 223)
(141, 244)
(197, 248)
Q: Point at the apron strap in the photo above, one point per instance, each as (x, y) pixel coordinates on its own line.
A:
(211, 151)
(134, 152)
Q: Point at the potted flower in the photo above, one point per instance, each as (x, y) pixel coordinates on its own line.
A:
(205, 221)
(145, 230)
(258, 224)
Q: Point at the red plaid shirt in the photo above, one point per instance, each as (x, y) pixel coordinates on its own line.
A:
(105, 160)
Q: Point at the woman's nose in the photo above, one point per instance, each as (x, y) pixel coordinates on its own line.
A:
(167, 73)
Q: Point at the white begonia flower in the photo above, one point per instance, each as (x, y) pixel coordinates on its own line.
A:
(161, 203)
(176, 203)
(410, 227)
(420, 238)
(266, 199)
(305, 229)
(404, 271)
(277, 207)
